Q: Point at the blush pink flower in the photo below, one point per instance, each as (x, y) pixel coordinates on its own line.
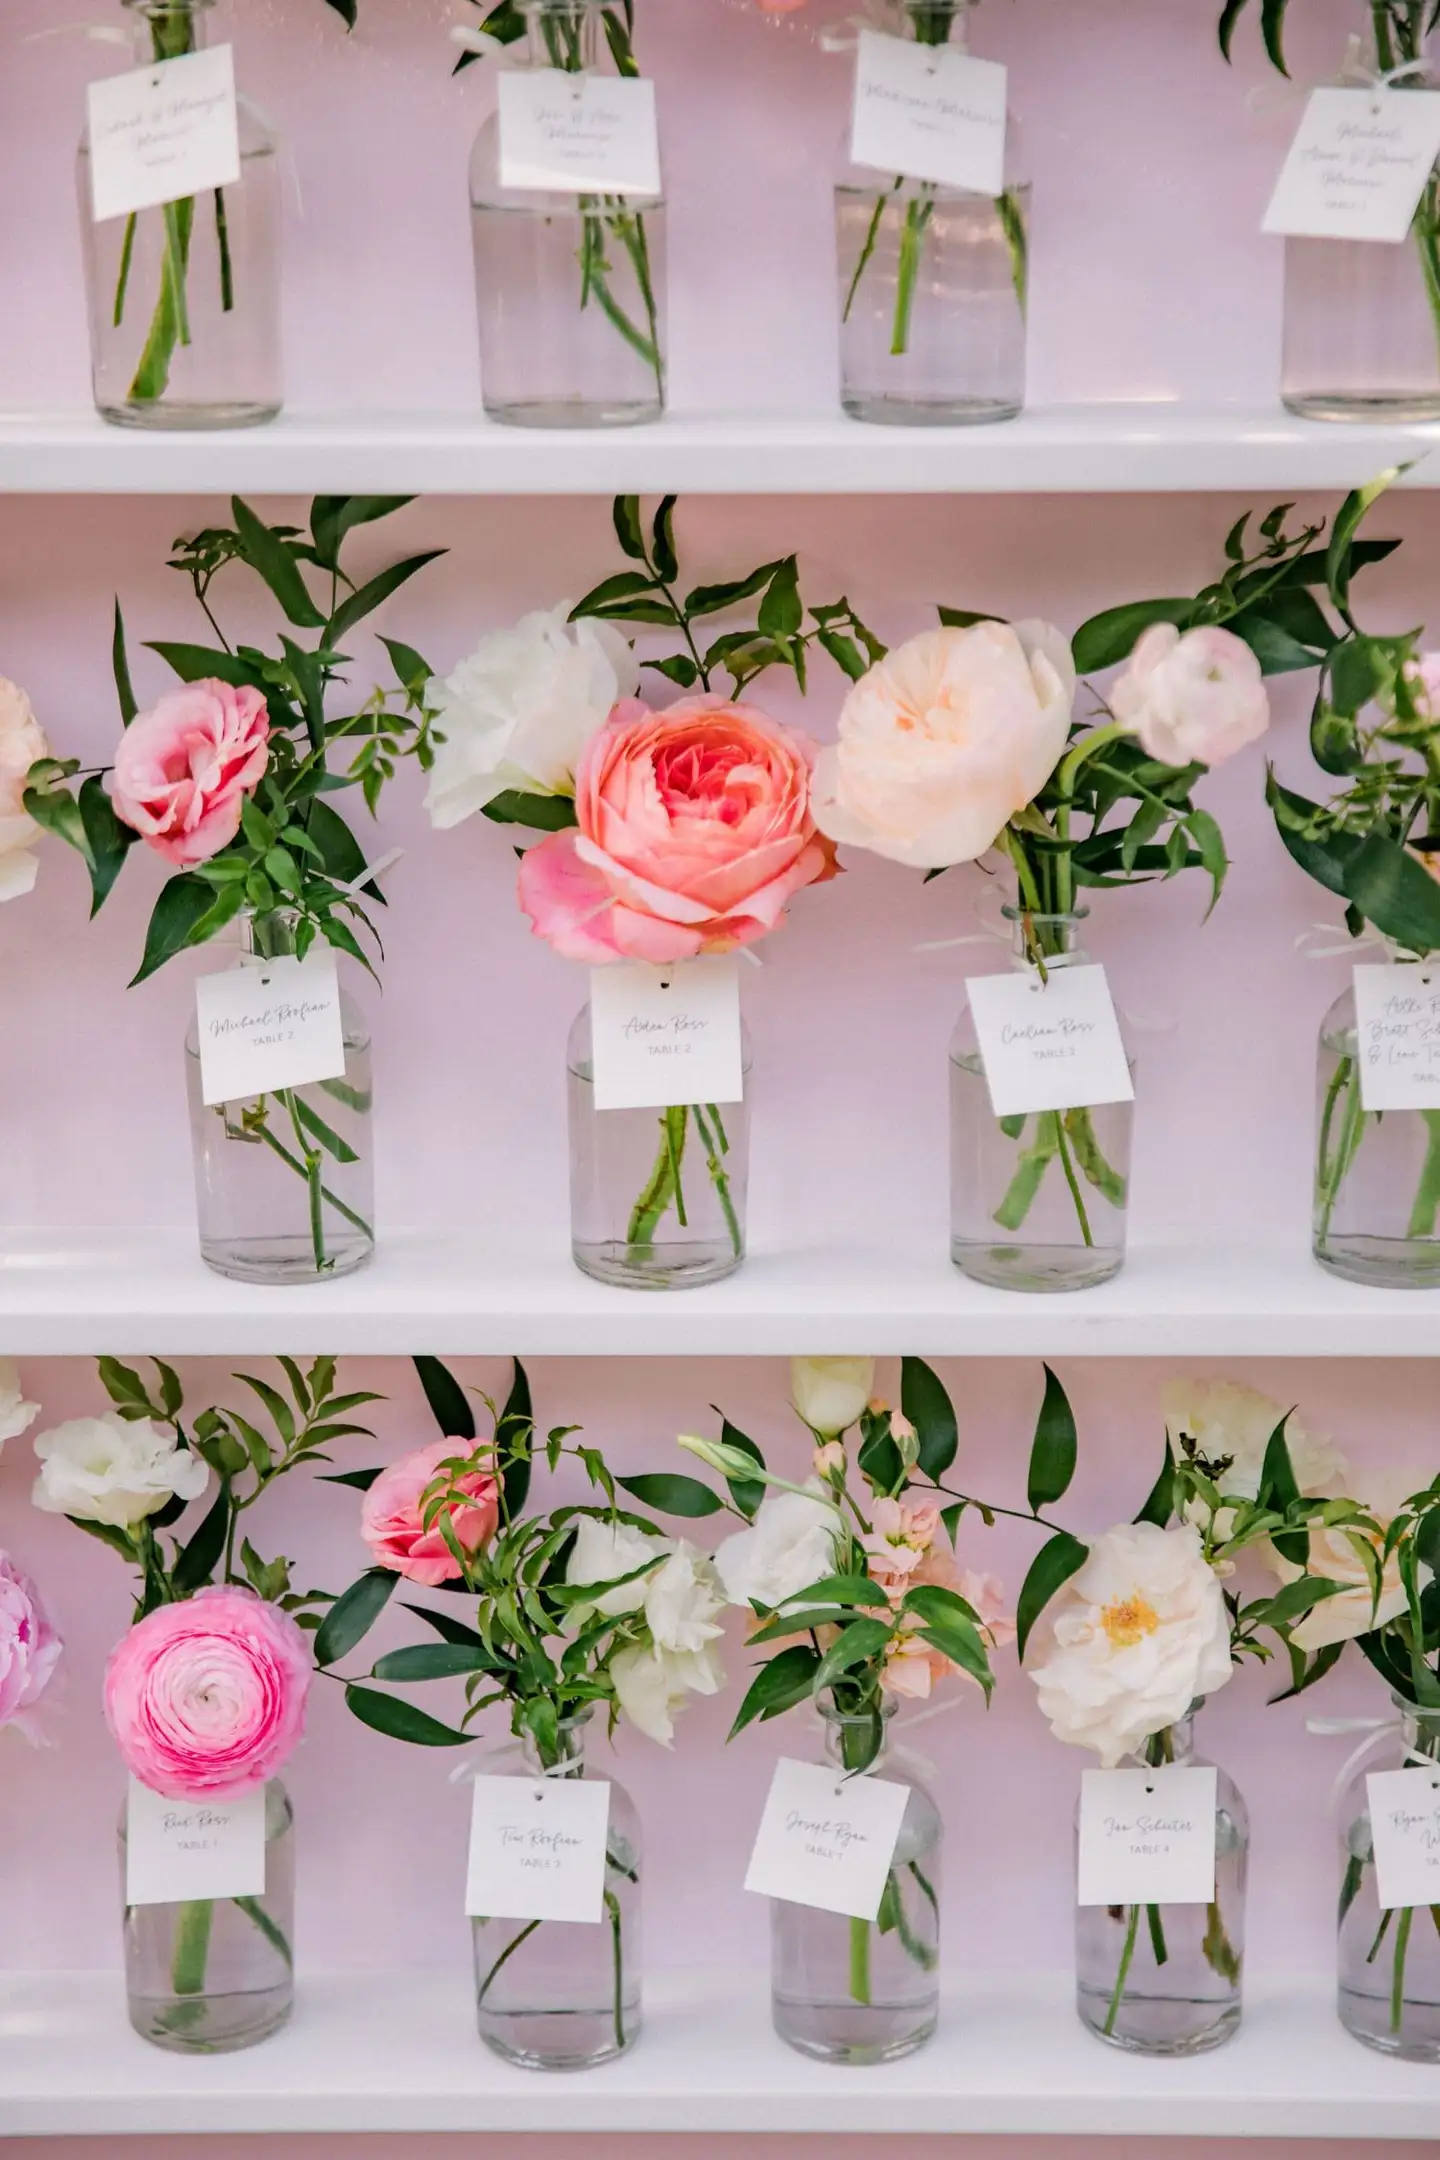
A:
(1192, 699)
(694, 830)
(901, 1534)
(29, 1649)
(208, 1696)
(915, 1668)
(183, 769)
(392, 1521)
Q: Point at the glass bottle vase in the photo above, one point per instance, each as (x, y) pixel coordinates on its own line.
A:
(565, 1994)
(1377, 1173)
(184, 299)
(1037, 1202)
(933, 280)
(570, 288)
(861, 1991)
(1389, 1961)
(657, 1197)
(212, 1975)
(285, 1182)
(1166, 1979)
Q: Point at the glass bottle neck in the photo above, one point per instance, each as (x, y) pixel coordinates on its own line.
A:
(936, 22)
(1420, 1729)
(268, 937)
(1391, 34)
(1055, 939)
(856, 1743)
(1172, 1744)
(168, 29)
(565, 34)
(567, 1758)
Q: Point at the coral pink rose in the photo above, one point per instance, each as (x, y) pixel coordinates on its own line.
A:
(183, 769)
(392, 1521)
(1195, 699)
(208, 1696)
(694, 831)
(29, 1648)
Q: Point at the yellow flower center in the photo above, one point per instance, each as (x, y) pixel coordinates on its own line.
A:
(1129, 1620)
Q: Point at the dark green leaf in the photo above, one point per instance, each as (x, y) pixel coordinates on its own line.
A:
(177, 921)
(1394, 893)
(1326, 860)
(781, 611)
(959, 618)
(452, 1631)
(788, 1679)
(197, 663)
(431, 1661)
(1339, 562)
(854, 1645)
(1110, 637)
(1057, 1560)
(359, 1480)
(924, 1400)
(108, 841)
(1055, 1448)
(412, 670)
(717, 599)
(667, 562)
(516, 1432)
(1160, 1503)
(332, 516)
(353, 1614)
(447, 1399)
(372, 595)
(542, 813)
(271, 558)
(340, 851)
(628, 528)
(747, 1493)
(400, 1720)
(199, 1559)
(672, 1494)
(120, 665)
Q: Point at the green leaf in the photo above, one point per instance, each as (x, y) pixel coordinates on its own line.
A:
(1110, 637)
(400, 1720)
(854, 1645)
(1339, 564)
(1055, 1449)
(332, 516)
(120, 665)
(353, 1614)
(358, 1480)
(1326, 860)
(959, 618)
(197, 663)
(108, 841)
(452, 1631)
(542, 813)
(924, 1400)
(178, 921)
(667, 562)
(1394, 893)
(747, 1493)
(517, 1434)
(788, 1679)
(628, 529)
(842, 1590)
(412, 670)
(272, 560)
(1160, 1502)
(431, 1661)
(1057, 1560)
(340, 851)
(447, 1399)
(672, 1494)
(1274, 646)
(56, 811)
(781, 612)
(845, 653)
(378, 590)
(1230, 16)
(345, 9)
(718, 599)
(678, 669)
(200, 1557)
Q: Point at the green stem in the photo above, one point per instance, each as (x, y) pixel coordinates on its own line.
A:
(331, 1199)
(1397, 1982)
(860, 1961)
(612, 1906)
(313, 1161)
(1092, 1159)
(191, 1953)
(716, 1147)
(1012, 224)
(1030, 1168)
(872, 237)
(1427, 1197)
(227, 267)
(506, 1954)
(655, 1195)
(1073, 1182)
(1156, 1925)
(918, 213)
(677, 1126)
(1352, 1129)
(254, 1911)
(1127, 1955)
(127, 258)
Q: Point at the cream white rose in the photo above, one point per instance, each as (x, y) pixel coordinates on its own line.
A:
(684, 1601)
(945, 740)
(604, 1552)
(1131, 1641)
(790, 1545)
(114, 1471)
(1224, 1418)
(518, 712)
(16, 1415)
(830, 1393)
(1353, 1611)
(21, 743)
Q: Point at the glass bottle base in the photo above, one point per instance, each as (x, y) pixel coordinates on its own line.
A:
(285, 1260)
(560, 2039)
(1370, 2020)
(165, 413)
(657, 1267)
(1042, 1268)
(1384, 1263)
(210, 2024)
(575, 412)
(849, 2032)
(1159, 2025)
(1347, 405)
(882, 411)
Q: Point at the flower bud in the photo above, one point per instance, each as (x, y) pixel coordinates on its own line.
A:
(830, 1393)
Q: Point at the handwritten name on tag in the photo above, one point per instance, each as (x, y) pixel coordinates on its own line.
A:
(1052, 1045)
(569, 134)
(929, 113)
(662, 1037)
(826, 1839)
(273, 1025)
(1147, 1837)
(537, 1849)
(1405, 1825)
(161, 133)
(1397, 1027)
(180, 1850)
(1358, 165)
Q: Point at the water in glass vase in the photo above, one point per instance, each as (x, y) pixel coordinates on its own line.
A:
(210, 1976)
(1377, 1173)
(1389, 1961)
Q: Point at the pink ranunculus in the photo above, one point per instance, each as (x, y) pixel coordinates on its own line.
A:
(1192, 699)
(208, 1696)
(183, 769)
(29, 1649)
(392, 1521)
(694, 830)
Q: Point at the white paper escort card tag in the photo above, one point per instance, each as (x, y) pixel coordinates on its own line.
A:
(537, 1849)
(1051, 1045)
(1405, 1825)
(1357, 166)
(1397, 1029)
(162, 133)
(565, 134)
(929, 113)
(272, 1025)
(1147, 1837)
(663, 1037)
(826, 1839)
(177, 1851)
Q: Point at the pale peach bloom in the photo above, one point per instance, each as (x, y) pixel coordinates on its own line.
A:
(901, 1534)
(21, 744)
(914, 1668)
(1196, 698)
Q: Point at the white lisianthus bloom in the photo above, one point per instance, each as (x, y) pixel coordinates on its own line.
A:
(683, 1601)
(115, 1471)
(16, 1415)
(1353, 1611)
(1224, 1418)
(519, 711)
(651, 1685)
(604, 1552)
(790, 1545)
(830, 1393)
(1131, 1641)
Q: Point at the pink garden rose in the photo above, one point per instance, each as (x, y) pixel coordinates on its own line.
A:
(694, 830)
(1195, 699)
(29, 1648)
(208, 1696)
(392, 1520)
(183, 769)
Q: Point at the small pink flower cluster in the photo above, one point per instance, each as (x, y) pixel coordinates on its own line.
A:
(903, 1553)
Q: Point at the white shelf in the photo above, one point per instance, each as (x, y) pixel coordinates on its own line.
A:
(1118, 448)
(141, 1293)
(399, 2053)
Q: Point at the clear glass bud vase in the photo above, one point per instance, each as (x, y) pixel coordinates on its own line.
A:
(570, 288)
(933, 280)
(1166, 1979)
(1389, 1962)
(212, 1975)
(861, 1991)
(565, 1994)
(1362, 317)
(285, 1182)
(1377, 1173)
(184, 299)
(1037, 1202)
(657, 1197)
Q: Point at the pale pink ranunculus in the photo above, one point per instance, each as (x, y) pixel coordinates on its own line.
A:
(945, 740)
(208, 1696)
(29, 1649)
(21, 744)
(184, 768)
(1194, 698)
(694, 829)
(914, 1668)
(392, 1520)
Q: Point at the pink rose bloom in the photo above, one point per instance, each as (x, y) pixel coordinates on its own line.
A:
(914, 1668)
(29, 1649)
(694, 831)
(392, 1520)
(1195, 699)
(183, 769)
(208, 1696)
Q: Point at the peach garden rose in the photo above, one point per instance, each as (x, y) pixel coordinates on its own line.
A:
(22, 744)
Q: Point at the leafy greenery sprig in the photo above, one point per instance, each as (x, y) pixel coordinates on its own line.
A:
(1400, 28)
(563, 33)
